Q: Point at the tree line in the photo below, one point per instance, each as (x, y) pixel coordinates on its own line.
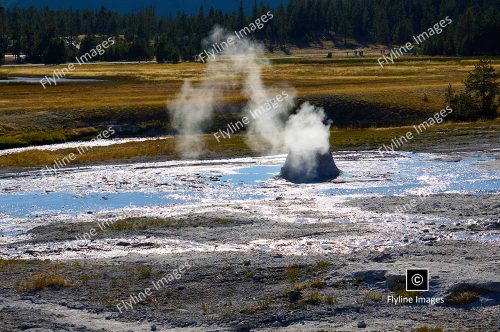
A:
(53, 36)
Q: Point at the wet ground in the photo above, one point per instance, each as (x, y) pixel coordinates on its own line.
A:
(251, 239)
(247, 186)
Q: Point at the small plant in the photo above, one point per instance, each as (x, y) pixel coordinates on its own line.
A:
(40, 282)
(314, 298)
(321, 266)
(113, 283)
(329, 55)
(425, 99)
(85, 277)
(400, 290)
(223, 221)
(463, 295)
(249, 274)
(144, 272)
(330, 299)
(428, 329)
(373, 296)
(317, 284)
(292, 272)
(204, 308)
(261, 306)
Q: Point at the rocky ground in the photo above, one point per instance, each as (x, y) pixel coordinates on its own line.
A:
(266, 290)
(263, 290)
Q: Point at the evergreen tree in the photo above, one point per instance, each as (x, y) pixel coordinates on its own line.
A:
(241, 16)
(4, 39)
(139, 51)
(56, 52)
(482, 83)
(88, 43)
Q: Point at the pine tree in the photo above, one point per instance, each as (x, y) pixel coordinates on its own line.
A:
(56, 52)
(241, 16)
(482, 83)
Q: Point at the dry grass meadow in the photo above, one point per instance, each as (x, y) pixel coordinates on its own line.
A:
(138, 95)
(143, 86)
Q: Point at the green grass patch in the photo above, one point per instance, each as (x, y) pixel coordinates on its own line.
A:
(315, 298)
(144, 272)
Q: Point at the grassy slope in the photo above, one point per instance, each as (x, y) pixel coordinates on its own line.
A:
(137, 94)
(164, 149)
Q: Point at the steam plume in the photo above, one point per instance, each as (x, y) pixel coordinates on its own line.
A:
(304, 134)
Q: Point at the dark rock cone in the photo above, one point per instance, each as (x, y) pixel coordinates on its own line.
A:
(324, 169)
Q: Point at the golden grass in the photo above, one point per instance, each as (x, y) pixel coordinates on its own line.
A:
(317, 284)
(40, 282)
(134, 224)
(292, 272)
(373, 296)
(164, 149)
(139, 93)
(139, 86)
(330, 299)
(463, 295)
(262, 305)
(314, 298)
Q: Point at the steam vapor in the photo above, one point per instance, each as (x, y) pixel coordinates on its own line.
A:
(304, 135)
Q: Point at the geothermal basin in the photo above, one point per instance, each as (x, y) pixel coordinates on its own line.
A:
(243, 188)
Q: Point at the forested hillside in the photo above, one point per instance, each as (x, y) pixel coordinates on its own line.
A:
(46, 35)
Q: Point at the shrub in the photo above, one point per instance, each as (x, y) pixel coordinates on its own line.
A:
(39, 282)
(314, 298)
(463, 295)
(373, 296)
(261, 306)
(293, 272)
(428, 329)
(330, 299)
(144, 272)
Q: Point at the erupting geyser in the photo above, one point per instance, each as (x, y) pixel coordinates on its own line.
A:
(305, 135)
(307, 140)
(324, 169)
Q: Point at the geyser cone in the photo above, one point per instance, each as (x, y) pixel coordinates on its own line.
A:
(321, 169)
